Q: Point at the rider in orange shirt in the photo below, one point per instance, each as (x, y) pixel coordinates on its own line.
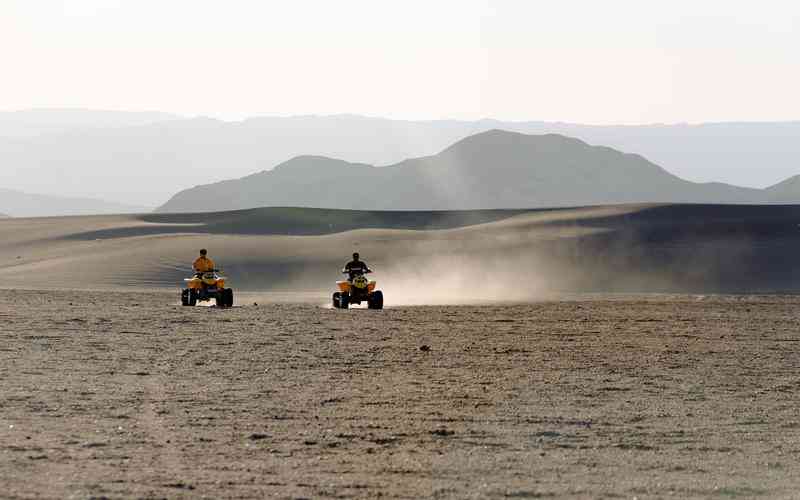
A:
(203, 264)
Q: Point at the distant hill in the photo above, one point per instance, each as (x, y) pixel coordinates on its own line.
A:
(144, 159)
(784, 192)
(34, 122)
(494, 169)
(20, 204)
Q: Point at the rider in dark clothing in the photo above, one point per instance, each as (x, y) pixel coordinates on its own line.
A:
(356, 267)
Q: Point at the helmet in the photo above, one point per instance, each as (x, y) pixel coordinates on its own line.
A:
(203, 251)
(355, 255)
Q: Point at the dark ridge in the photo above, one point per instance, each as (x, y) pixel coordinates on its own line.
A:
(693, 248)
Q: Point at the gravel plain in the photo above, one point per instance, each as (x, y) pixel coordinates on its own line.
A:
(129, 395)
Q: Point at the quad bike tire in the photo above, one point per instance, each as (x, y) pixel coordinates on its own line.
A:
(336, 299)
(185, 297)
(375, 300)
(224, 298)
(344, 300)
(192, 297)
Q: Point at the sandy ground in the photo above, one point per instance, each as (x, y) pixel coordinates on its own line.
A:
(123, 395)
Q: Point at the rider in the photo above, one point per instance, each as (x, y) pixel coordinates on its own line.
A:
(356, 267)
(203, 264)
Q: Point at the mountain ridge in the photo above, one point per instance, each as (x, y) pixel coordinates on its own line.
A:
(39, 121)
(119, 163)
(495, 169)
(15, 203)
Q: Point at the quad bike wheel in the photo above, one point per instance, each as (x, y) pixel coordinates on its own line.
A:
(224, 298)
(192, 297)
(344, 300)
(375, 300)
(185, 297)
(336, 299)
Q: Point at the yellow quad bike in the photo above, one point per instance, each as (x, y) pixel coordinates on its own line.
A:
(356, 291)
(206, 286)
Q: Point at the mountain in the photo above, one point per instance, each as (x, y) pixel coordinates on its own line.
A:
(18, 204)
(144, 163)
(34, 122)
(494, 169)
(785, 191)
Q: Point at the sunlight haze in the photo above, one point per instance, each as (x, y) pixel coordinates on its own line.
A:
(620, 62)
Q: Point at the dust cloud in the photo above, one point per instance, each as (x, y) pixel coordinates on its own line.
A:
(461, 280)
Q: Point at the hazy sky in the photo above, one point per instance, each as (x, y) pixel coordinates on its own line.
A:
(592, 61)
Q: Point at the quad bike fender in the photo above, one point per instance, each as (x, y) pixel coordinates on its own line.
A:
(194, 283)
(345, 286)
(198, 283)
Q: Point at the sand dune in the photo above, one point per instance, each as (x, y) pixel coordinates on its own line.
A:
(485, 254)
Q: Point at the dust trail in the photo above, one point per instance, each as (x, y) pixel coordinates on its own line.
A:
(453, 280)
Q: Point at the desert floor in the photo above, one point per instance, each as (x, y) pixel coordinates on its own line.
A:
(124, 395)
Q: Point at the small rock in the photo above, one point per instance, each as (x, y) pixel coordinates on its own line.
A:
(256, 436)
(94, 445)
(425, 348)
(179, 485)
(443, 432)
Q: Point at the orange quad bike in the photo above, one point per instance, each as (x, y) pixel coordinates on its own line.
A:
(206, 286)
(356, 290)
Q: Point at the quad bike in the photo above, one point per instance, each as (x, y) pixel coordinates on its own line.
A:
(207, 286)
(356, 290)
